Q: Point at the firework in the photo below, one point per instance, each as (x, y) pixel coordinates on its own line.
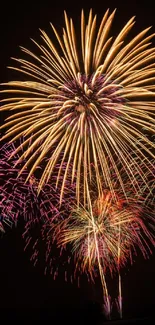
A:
(92, 100)
(20, 201)
(19, 198)
(108, 223)
(105, 236)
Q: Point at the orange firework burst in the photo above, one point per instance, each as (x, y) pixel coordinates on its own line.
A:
(90, 101)
(110, 230)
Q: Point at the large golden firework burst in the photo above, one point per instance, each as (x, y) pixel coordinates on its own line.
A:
(92, 100)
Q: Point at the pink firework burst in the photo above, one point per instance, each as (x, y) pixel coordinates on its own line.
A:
(14, 192)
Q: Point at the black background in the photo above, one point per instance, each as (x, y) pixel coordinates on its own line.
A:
(25, 291)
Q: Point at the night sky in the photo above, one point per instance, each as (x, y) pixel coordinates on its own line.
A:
(25, 292)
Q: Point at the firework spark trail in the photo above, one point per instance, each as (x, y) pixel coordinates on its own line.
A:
(100, 267)
(92, 100)
(119, 274)
(5, 220)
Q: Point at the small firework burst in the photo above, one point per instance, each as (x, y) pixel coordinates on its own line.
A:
(105, 236)
(92, 100)
(97, 233)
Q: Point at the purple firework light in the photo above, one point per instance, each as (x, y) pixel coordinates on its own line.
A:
(19, 199)
(84, 99)
(15, 192)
